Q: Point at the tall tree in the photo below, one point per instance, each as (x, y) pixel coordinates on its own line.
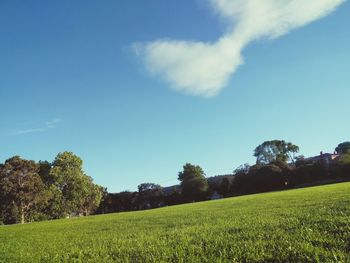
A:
(21, 189)
(93, 196)
(69, 178)
(53, 210)
(275, 151)
(194, 185)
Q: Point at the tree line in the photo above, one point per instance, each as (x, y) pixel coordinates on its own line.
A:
(34, 191)
(278, 166)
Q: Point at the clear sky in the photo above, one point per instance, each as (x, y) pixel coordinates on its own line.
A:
(72, 78)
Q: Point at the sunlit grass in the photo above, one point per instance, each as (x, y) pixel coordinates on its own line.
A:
(303, 225)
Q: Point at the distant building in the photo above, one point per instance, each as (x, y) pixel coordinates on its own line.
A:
(324, 158)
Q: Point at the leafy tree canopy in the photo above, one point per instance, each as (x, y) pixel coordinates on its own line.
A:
(194, 185)
(145, 187)
(78, 193)
(22, 192)
(275, 150)
(343, 148)
(242, 169)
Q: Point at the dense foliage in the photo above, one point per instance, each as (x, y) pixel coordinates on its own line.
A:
(193, 183)
(31, 191)
(343, 148)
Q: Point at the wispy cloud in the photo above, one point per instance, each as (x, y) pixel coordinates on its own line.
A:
(48, 125)
(53, 123)
(203, 69)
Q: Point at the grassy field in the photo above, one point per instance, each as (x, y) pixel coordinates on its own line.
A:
(303, 225)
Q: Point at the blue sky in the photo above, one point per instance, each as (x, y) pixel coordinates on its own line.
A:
(70, 79)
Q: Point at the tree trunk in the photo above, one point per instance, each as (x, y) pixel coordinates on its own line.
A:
(22, 215)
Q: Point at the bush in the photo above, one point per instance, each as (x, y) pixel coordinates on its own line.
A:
(309, 173)
(259, 179)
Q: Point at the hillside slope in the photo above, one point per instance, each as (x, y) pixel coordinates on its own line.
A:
(303, 225)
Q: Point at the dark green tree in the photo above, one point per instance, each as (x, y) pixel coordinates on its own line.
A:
(44, 172)
(261, 178)
(194, 185)
(22, 192)
(343, 148)
(149, 195)
(225, 186)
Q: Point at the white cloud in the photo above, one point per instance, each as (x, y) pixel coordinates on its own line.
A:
(200, 68)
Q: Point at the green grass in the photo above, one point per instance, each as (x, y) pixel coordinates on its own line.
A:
(303, 225)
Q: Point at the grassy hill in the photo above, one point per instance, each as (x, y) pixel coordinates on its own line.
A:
(303, 225)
